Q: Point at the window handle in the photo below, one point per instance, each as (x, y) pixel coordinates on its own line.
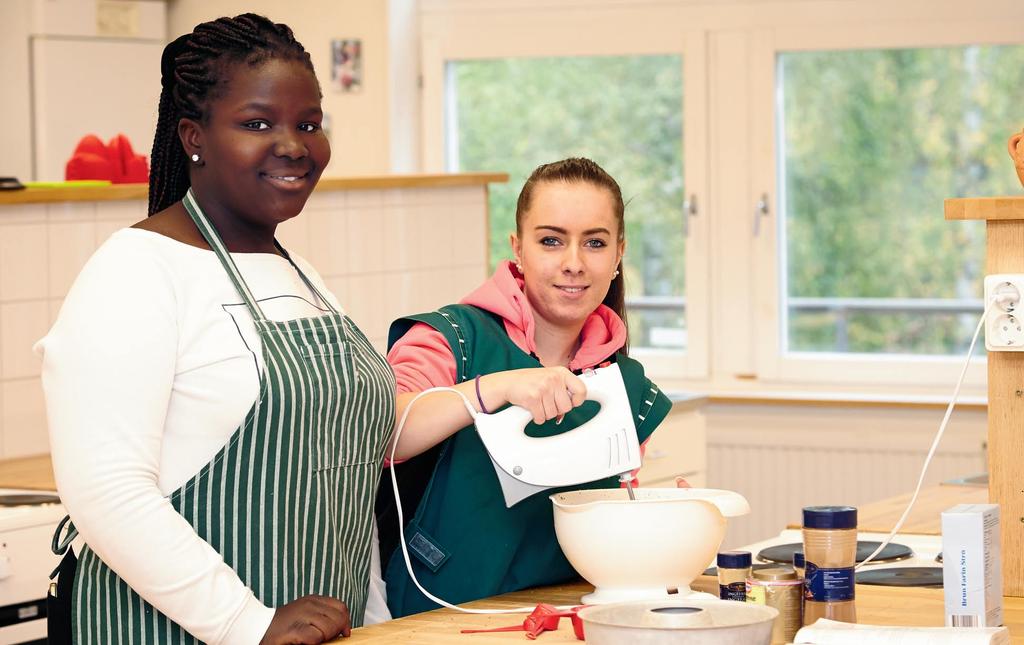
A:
(689, 210)
(760, 211)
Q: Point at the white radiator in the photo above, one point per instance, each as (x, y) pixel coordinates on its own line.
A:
(783, 458)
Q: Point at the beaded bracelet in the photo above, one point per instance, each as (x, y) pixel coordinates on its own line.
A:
(479, 399)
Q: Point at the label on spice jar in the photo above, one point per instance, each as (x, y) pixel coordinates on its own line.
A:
(755, 594)
(828, 585)
(733, 591)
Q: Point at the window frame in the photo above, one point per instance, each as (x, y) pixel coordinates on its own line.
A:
(449, 38)
(773, 364)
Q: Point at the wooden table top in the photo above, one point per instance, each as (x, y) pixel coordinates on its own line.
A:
(875, 606)
(925, 519)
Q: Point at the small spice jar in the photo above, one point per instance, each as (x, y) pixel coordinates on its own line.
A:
(830, 550)
(733, 571)
(780, 588)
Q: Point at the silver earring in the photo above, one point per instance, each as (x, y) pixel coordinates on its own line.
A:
(195, 157)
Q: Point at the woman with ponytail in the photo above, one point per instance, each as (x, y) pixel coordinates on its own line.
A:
(521, 338)
(217, 423)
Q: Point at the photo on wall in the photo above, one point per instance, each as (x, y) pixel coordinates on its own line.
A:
(347, 65)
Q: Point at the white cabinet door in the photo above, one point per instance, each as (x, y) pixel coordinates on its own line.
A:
(95, 86)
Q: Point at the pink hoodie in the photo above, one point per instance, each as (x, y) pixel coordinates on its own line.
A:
(422, 359)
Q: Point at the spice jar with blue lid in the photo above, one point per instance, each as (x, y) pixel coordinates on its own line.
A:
(733, 571)
(830, 555)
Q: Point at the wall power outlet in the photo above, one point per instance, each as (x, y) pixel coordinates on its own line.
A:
(1004, 327)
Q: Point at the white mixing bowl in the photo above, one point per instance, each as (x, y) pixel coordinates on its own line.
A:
(638, 550)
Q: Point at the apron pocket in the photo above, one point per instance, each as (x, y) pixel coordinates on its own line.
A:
(331, 366)
(320, 351)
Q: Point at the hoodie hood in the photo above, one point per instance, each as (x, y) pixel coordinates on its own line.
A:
(602, 335)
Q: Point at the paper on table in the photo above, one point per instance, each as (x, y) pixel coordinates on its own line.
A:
(831, 632)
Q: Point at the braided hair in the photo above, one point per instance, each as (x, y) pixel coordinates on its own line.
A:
(194, 72)
(582, 170)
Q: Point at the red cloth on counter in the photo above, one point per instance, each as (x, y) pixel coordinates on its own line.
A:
(115, 161)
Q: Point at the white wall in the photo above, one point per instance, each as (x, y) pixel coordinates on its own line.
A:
(359, 121)
(785, 457)
(374, 131)
(68, 71)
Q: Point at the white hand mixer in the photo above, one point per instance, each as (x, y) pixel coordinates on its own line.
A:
(605, 445)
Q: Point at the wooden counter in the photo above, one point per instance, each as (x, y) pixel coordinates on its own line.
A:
(140, 191)
(35, 473)
(875, 606)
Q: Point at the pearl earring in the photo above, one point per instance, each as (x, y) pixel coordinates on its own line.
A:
(519, 267)
(195, 157)
(616, 274)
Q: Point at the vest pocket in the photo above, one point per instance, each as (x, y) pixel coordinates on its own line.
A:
(423, 547)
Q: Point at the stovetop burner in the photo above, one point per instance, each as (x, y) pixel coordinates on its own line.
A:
(28, 499)
(902, 577)
(783, 553)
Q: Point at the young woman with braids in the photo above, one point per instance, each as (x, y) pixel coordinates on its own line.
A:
(217, 424)
(519, 338)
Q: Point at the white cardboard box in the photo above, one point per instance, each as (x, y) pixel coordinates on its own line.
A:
(971, 566)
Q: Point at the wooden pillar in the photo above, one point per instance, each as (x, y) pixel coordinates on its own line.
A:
(1004, 254)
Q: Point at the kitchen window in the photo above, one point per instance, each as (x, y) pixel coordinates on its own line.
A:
(866, 281)
(625, 113)
(869, 144)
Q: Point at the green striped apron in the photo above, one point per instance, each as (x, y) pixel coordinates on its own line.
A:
(289, 500)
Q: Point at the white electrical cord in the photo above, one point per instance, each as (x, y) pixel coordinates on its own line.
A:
(942, 429)
(401, 519)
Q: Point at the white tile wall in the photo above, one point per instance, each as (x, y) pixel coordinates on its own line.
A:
(384, 254)
(24, 418)
(21, 325)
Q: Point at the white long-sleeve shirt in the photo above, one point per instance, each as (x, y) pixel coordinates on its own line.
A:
(151, 366)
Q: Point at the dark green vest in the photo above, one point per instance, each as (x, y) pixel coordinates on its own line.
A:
(464, 543)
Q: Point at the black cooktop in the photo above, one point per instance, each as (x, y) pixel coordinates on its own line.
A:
(783, 553)
(902, 577)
